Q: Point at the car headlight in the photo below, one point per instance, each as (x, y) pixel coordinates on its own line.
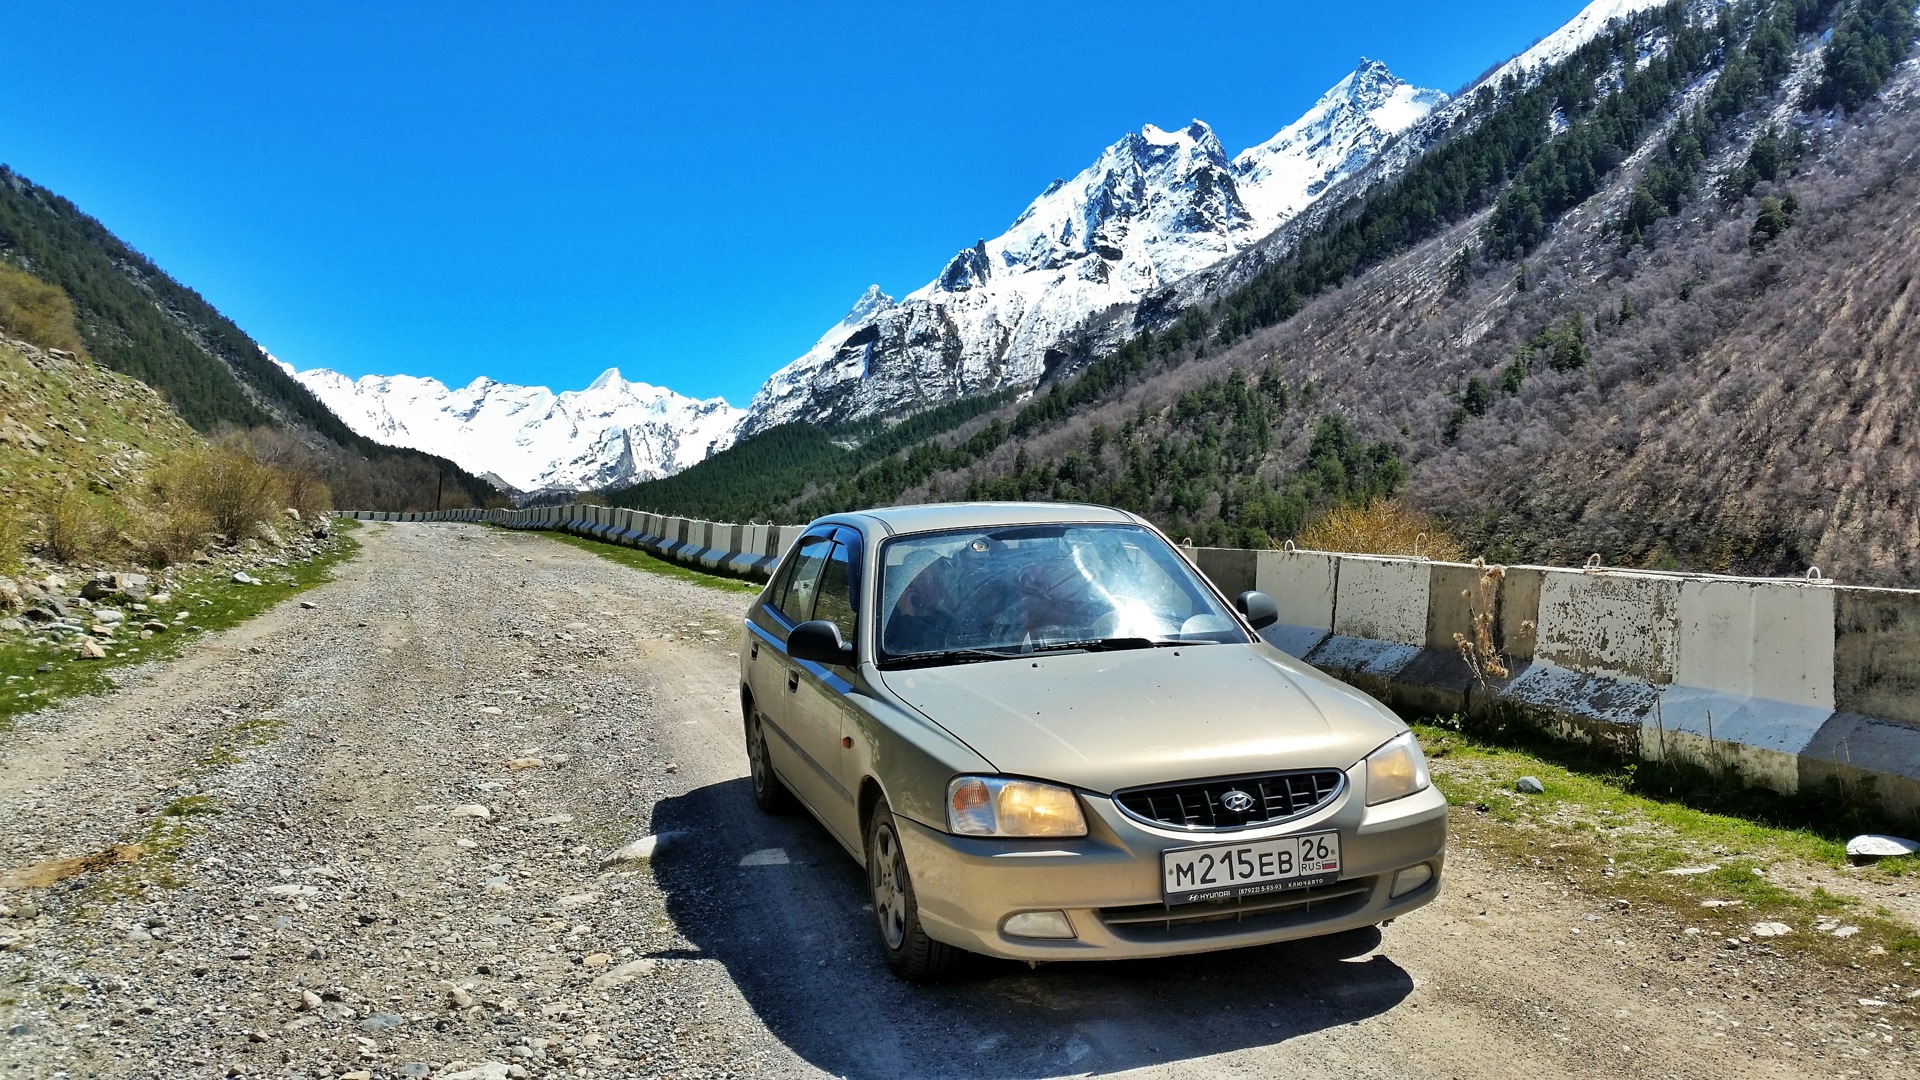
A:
(997, 806)
(1396, 770)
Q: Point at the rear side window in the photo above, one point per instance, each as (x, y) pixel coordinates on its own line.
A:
(836, 591)
(794, 598)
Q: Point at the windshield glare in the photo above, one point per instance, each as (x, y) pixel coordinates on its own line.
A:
(1028, 587)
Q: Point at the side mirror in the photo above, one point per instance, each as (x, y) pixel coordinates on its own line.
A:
(819, 642)
(1258, 607)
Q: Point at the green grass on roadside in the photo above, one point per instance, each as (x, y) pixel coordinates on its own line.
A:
(1643, 834)
(1589, 790)
(213, 602)
(640, 560)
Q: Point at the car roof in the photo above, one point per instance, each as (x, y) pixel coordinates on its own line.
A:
(936, 517)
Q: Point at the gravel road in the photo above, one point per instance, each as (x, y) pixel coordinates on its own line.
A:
(374, 837)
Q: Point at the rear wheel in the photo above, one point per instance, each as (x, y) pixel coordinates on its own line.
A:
(909, 951)
(769, 792)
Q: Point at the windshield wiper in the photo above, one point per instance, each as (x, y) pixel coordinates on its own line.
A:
(1108, 644)
(946, 656)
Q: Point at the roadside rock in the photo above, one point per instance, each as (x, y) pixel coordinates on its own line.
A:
(1880, 846)
(112, 586)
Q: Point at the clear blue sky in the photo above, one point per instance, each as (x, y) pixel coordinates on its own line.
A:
(692, 193)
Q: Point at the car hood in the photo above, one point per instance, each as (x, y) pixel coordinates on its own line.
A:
(1103, 721)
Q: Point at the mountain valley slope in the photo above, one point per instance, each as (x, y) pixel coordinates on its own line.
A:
(1722, 382)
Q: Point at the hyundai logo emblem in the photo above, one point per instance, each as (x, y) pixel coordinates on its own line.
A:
(1237, 801)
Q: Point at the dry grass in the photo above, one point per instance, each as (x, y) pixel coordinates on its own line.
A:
(1478, 647)
(1382, 527)
(40, 875)
(13, 539)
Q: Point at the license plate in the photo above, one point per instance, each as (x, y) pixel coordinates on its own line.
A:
(1224, 871)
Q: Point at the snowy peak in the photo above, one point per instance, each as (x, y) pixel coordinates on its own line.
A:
(612, 432)
(1343, 131)
(1146, 199)
(1155, 207)
(1561, 44)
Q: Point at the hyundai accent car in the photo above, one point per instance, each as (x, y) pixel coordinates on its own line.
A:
(1047, 737)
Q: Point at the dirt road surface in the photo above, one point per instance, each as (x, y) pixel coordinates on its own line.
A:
(373, 836)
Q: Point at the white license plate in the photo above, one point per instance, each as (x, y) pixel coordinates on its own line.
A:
(1224, 871)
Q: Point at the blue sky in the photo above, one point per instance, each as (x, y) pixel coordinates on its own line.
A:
(692, 193)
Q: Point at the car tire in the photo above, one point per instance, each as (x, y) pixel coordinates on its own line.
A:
(769, 791)
(911, 954)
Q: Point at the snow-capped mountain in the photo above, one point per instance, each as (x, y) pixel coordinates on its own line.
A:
(1560, 44)
(1154, 208)
(1339, 135)
(613, 432)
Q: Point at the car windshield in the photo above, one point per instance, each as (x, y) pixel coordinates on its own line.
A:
(972, 594)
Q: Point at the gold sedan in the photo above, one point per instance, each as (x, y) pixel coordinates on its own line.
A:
(1047, 737)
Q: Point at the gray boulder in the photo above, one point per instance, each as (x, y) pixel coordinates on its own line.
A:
(116, 586)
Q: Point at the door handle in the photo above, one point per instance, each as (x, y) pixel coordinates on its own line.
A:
(753, 650)
(793, 679)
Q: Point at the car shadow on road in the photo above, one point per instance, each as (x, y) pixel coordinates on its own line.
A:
(781, 905)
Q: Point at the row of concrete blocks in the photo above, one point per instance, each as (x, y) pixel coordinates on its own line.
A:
(749, 551)
(1794, 685)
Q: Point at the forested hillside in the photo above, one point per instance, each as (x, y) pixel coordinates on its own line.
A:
(1653, 306)
(136, 320)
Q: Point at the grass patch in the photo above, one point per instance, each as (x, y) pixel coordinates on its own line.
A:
(1651, 835)
(213, 602)
(640, 560)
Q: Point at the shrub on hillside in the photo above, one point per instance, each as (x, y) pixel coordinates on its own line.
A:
(172, 533)
(237, 495)
(1381, 527)
(75, 528)
(34, 311)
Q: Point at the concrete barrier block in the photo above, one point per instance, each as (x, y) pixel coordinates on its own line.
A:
(1876, 653)
(1759, 738)
(1758, 639)
(1382, 599)
(1230, 569)
(1302, 586)
(1618, 624)
(1871, 758)
(674, 537)
(749, 549)
(1454, 594)
(726, 545)
(1583, 706)
(1520, 612)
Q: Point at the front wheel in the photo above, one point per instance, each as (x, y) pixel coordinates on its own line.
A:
(911, 954)
(769, 793)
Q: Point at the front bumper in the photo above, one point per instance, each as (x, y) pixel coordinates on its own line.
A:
(1108, 882)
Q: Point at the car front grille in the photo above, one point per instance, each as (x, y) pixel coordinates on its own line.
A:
(1213, 918)
(1196, 804)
